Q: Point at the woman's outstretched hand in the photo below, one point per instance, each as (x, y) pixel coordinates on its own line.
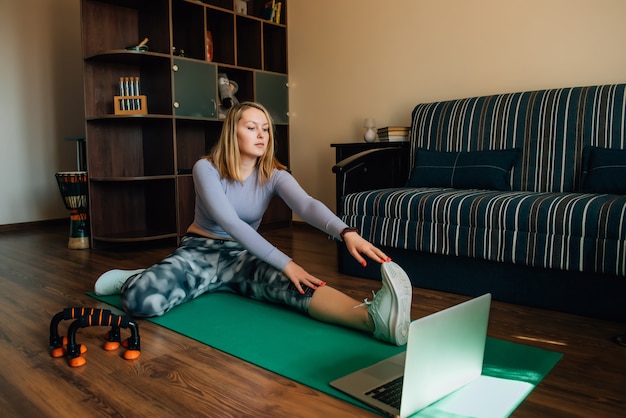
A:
(299, 277)
(358, 246)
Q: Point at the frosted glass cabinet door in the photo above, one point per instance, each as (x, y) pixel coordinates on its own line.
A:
(195, 89)
(272, 92)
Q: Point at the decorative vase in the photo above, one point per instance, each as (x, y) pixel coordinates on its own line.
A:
(370, 135)
(370, 130)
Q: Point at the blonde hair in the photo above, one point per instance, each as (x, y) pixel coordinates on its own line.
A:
(225, 154)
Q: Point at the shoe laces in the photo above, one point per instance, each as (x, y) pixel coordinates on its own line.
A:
(366, 302)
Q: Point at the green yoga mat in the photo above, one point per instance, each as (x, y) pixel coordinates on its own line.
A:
(314, 353)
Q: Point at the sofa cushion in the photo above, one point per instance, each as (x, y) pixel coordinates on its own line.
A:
(604, 170)
(567, 231)
(490, 170)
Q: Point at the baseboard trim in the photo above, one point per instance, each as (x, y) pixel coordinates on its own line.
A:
(32, 225)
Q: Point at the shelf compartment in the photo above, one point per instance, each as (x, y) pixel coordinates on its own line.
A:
(135, 210)
(193, 140)
(102, 76)
(186, 202)
(248, 42)
(281, 143)
(130, 147)
(243, 78)
(222, 27)
(188, 29)
(274, 48)
(133, 21)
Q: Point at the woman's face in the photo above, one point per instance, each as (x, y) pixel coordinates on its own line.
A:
(252, 134)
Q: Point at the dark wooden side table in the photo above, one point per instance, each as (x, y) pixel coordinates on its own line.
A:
(345, 150)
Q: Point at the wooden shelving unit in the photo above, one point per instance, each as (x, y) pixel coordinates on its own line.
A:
(139, 165)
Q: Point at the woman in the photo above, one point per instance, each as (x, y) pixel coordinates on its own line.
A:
(222, 250)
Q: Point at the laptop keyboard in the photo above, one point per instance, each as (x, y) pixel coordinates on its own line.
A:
(389, 393)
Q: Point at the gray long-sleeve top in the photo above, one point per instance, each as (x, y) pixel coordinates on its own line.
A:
(232, 210)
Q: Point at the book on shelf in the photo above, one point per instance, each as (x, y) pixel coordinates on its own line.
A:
(393, 134)
(394, 129)
(277, 10)
(273, 11)
(394, 138)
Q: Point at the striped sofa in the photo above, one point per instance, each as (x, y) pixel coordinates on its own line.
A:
(505, 193)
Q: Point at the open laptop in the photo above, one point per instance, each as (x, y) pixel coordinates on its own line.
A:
(444, 352)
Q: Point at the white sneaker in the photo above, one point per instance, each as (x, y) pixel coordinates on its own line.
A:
(390, 309)
(111, 282)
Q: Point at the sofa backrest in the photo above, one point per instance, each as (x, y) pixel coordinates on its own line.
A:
(551, 127)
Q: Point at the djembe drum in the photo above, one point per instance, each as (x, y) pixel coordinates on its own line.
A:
(73, 187)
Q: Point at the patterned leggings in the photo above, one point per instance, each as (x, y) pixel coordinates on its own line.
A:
(201, 265)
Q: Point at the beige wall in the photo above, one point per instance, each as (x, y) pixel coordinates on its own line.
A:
(353, 59)
(41, 102)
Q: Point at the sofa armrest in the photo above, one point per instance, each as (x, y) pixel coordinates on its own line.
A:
(379, 168)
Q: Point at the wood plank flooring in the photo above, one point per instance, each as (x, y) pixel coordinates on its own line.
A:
(176, 376)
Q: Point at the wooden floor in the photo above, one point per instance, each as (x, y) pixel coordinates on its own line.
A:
(176, 376)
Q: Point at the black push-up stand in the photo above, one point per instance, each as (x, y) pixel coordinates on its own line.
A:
(87, 317)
